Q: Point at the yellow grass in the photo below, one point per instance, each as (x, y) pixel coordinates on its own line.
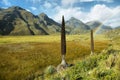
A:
(46, 38)
(24, 56)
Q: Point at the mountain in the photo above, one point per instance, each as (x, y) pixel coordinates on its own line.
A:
(18, 21)
(118, 27)
(100, 27)
(51, 24)
(75, 26)
(1, 9)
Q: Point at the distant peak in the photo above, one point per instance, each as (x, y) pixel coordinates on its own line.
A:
(72, 18)
(16, 7)
(43, 14)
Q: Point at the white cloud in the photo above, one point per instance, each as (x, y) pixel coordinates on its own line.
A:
(100, 12)
(114, 20)
(68, 2)
(34, 1)
(107, 15)
(47, 4)
(86, 0)
(68, 13)
(108, 1)
(6, 2)
(72, 2)
(33, 8)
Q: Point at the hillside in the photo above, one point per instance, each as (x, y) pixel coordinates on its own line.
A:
(18, 21)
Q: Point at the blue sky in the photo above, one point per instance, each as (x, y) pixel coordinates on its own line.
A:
(106, 11)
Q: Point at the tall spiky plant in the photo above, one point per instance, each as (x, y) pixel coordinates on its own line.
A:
(92, 43)
(63, 42)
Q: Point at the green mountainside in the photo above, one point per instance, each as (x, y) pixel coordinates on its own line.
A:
(18, 21)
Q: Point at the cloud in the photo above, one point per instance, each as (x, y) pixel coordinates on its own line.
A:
(28, 10)
(72, 2)
(47, 4)
(107, 15)
(68, 2)
(108, 1)
(68, 13)
(100, 12)
(114, 20)
(34, 1)
(6, 2)
(33, 8)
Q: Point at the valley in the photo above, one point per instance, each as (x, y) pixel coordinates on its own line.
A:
(22, 57)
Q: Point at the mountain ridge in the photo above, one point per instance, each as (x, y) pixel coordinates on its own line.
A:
(18, 21)
(100, 27)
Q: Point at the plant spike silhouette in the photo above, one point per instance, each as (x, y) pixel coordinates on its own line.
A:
(92, 43)
(63, 42)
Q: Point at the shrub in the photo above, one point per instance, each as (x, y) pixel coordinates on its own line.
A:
(90, 63)
(118, 62)
(110, 61)
(50, 70)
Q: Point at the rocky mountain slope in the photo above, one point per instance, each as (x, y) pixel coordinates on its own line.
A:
(18, 21)
(75, 26)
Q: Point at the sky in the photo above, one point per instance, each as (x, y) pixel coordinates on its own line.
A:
(106, 11)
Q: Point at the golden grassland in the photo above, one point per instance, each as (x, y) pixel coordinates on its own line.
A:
(24, 56)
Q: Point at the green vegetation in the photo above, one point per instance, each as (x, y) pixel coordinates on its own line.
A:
(26, 57)
(102, 66)
(105, 66)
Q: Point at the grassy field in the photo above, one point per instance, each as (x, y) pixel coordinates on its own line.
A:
(22, 57)
(102, 66)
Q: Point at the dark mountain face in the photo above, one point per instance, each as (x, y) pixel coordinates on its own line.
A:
(18, 21)
(1, 9)
(100, 27)
(75, 26)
